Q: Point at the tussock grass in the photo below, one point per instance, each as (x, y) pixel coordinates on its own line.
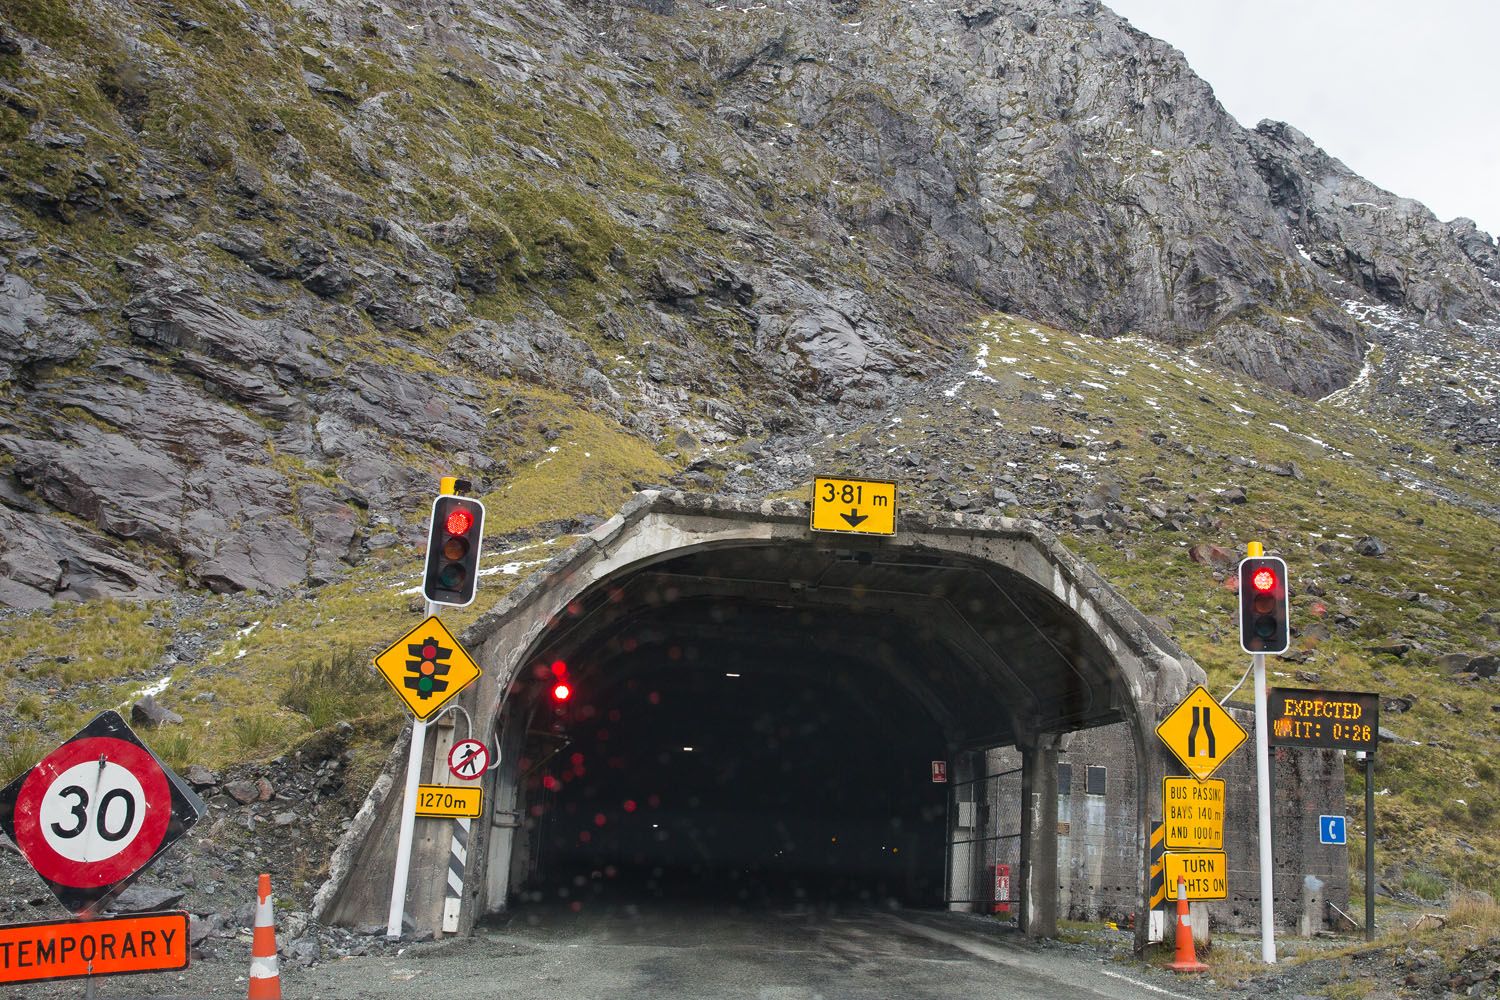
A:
(332, 689)
(20, 751)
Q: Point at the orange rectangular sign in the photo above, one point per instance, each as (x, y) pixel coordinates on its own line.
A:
(66, 949)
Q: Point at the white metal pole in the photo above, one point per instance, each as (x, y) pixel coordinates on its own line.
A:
(408, 820)
(1263, 794)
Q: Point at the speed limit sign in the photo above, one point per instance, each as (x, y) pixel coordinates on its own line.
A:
(92, 814)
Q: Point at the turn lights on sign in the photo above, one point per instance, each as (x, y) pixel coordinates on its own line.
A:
(1205, 874)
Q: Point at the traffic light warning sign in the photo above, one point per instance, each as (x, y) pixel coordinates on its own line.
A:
(1200, 733)
(426, 667)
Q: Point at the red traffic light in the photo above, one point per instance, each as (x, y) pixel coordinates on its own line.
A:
(562, 692)
(1264, 580)
(454, 539)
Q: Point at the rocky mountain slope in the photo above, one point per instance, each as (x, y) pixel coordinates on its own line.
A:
(266, 269)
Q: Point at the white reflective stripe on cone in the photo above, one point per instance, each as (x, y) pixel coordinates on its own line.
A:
(264, 968)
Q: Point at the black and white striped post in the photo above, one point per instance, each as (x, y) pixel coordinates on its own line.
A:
(458, 859)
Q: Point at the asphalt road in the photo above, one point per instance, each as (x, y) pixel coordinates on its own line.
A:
(671, 950)
(692, 951)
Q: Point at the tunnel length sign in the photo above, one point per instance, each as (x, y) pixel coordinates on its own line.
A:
(1338, 720)
(857, 506)
(457, 801)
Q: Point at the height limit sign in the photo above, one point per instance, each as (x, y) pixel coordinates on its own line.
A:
(853, 506)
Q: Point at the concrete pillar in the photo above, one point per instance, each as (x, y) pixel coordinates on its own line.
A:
(1039, 838)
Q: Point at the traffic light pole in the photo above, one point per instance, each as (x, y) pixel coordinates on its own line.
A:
(1263, 795)
(408, 819)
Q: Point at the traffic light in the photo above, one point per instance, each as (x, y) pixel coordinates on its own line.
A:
(453, 542)
(427, 668)
(1264, 605)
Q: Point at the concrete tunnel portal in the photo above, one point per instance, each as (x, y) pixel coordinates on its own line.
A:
(754, 710)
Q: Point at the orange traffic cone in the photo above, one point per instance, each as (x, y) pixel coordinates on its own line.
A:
(265, 974)
(1186, 961)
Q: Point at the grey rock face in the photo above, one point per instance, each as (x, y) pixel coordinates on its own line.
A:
(1393, 248)
(729, 222)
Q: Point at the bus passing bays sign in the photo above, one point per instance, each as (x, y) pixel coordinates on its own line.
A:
(94, 812)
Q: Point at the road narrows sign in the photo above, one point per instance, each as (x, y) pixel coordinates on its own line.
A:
(68, 949)
(96, 811)
(426, 667)
(853, 506)
(468, 759)
(1200, 733)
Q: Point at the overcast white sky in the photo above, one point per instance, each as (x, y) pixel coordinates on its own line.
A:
(1407, 94)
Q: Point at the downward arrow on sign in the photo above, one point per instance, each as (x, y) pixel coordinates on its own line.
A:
(854, 517)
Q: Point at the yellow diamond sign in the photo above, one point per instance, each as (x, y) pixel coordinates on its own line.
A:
(426, 667)
(1201, 733)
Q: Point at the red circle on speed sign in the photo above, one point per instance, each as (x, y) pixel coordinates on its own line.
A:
(468, 759)
(98, 809)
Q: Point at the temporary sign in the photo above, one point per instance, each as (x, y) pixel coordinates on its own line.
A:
(468, 759)
(1340, 720)
(67, 949)
(1201, 734)
(450, 800)
(1195, 814)
(858, 506)
(426, 667)
(96, 811)
(1206, 874)
(939, 771)
(1333, 830)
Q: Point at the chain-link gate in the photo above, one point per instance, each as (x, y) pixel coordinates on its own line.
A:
(983, 858)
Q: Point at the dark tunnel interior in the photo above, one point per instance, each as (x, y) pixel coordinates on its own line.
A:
(718, 752)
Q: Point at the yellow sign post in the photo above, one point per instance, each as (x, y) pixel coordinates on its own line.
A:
(853, 506)
(1194, 813)
(1206, 874)
(450, 801)
(426, 667)
(1200, 733)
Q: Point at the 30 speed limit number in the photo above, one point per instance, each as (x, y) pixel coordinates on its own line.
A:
(101, 807)
(94, 812)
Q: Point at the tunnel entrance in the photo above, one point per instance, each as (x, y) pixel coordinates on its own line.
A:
(722, 749)
(815, 678)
